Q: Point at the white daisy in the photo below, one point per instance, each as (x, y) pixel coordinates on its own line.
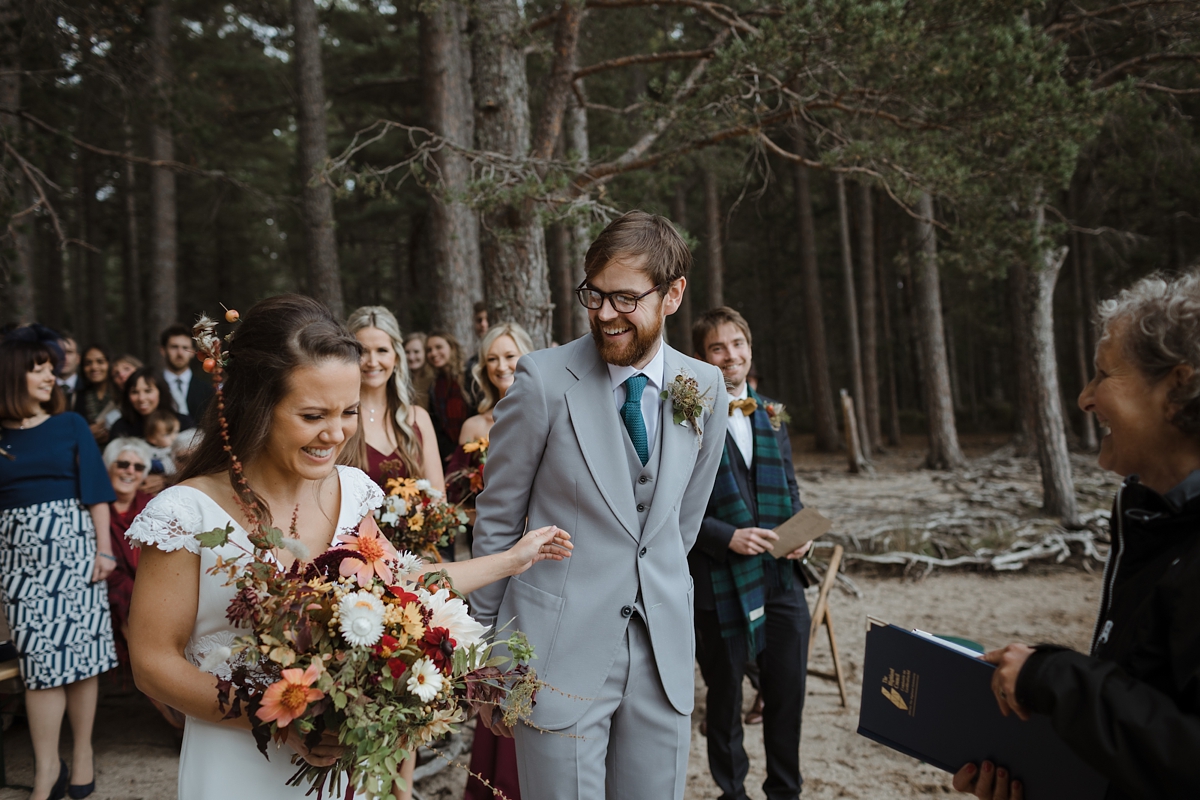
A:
(408, 563)
(361, 618)
(452, 614)
(424, 680)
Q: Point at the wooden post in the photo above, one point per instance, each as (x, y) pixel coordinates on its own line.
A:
(821, 615)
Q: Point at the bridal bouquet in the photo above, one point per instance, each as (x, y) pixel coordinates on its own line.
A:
(355, 643)
(415, 516)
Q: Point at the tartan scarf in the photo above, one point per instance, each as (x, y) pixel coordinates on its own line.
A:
(740, 584)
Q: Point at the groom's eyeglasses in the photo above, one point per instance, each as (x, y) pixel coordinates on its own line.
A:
(622, 302)
(127, 464)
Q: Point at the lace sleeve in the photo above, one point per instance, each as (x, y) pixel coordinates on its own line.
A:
(363, 495)
(169, 522)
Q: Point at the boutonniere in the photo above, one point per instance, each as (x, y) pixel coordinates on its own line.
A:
(687, 402)
(777, 415)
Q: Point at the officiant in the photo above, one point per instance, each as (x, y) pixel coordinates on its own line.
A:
(750, 602)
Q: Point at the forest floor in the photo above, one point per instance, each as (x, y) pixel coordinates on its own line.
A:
(137, 753)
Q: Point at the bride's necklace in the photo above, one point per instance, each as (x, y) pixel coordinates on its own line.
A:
(371, 412)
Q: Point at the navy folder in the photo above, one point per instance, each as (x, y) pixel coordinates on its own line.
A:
(933, 701)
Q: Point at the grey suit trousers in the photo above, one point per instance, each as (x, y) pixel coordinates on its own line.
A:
(615, 751)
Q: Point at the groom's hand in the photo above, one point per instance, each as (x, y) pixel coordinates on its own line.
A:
(752, 541)
(497, 727)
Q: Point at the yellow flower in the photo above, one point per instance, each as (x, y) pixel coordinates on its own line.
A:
(411, 621)
(416, 521)
(404, 487)
(475, 445)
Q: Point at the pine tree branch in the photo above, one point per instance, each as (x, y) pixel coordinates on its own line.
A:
(1107, 76)
(646, 58)
(722, 13)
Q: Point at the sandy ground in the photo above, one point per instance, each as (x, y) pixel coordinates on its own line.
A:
(137, 753)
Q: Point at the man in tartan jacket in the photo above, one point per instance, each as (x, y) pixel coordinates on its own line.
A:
(750, 602)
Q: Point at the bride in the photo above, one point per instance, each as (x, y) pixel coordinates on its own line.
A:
(291, 402)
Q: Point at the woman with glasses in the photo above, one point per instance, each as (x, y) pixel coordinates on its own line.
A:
(128, 460)
(55, 552)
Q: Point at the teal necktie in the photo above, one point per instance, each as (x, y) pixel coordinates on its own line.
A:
(631, 412)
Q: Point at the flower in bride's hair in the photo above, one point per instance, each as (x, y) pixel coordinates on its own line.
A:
(452, 614)
(288, 698)
(376, 551)
(424, 680)
(361, 615)
(408, 563)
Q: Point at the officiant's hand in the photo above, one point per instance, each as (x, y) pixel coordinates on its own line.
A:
(752, 541)
(988, 782)
(800, 552)
(497, 725)
(550, 542)
(323, 755)
(1009, 662)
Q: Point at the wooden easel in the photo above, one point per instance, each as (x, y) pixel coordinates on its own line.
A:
(821, 614)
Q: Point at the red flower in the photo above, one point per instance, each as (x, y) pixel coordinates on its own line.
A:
(397, 666)
(385, 647)
(439, 647)
(404, 597)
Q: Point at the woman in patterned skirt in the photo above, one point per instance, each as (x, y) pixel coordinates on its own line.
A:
(55, 553)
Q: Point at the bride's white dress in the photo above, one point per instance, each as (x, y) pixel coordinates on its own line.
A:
(219, 762)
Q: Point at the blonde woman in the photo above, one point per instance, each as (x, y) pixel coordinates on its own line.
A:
(421, 374)
(391, 427)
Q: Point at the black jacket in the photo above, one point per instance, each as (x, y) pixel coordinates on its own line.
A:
(1132, 708)
(712, 543)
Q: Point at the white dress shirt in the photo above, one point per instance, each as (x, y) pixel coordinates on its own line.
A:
(69, 383)
(741, 430)
(179, 388)
(651, 399)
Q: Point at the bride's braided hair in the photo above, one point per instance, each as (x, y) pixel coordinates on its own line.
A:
(277, 336)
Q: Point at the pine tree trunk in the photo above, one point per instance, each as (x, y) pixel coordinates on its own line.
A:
(944, 452)
(952, 362)
(512, 240)
(163, 295)
(17, 243)
(78, 254)
(453, 225)
(560, 241)
(856, 372)
(321, 255)
(683, 316)
(1039, 365)
(133, 322)
(1083, 358)
(868, 293)
(580, 147)
(891, 339)
(1024, 441)
(714, 249)
(824, 421)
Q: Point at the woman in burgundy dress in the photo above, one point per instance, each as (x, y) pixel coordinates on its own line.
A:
(391, 428)
(447, 401)
(492, 757)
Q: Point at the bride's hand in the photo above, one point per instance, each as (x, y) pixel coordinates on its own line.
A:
(550, 542)
(323, 755)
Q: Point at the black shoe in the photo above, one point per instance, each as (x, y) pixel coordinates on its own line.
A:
(59, 790)
(82, 791)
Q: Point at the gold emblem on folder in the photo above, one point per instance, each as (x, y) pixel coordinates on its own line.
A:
(900, 688)
(894, 696)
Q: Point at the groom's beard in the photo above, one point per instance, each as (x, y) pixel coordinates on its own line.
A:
(626, 355)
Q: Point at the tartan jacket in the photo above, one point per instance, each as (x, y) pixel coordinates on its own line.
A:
(712, 543)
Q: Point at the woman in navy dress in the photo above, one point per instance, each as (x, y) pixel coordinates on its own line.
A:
(55, 552)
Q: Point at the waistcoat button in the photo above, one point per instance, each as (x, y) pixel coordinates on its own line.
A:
(627, 611)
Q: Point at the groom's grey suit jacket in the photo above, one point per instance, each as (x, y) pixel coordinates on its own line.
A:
(559, 455)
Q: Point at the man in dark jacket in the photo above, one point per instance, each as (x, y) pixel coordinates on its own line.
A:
(749, 601)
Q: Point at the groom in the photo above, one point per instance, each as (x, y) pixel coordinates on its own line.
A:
(583, 440)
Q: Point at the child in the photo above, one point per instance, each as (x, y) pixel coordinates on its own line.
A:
(161, 428)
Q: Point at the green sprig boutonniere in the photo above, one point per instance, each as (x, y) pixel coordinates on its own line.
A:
(777, 415)
(687, 402)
